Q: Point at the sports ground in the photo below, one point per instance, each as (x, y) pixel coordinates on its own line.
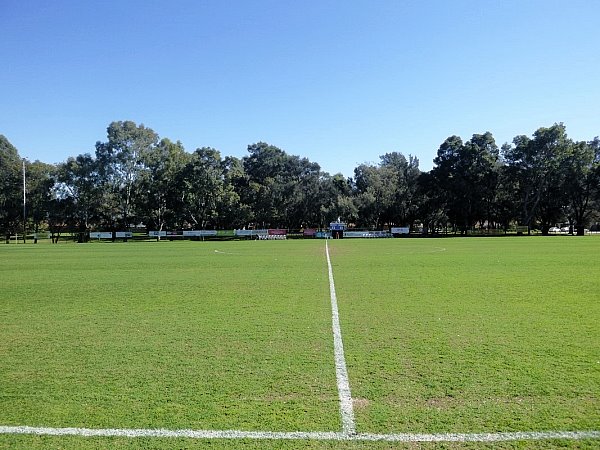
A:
(301, 344)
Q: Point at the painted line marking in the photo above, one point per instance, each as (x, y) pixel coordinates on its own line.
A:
(219, 252)
(303, 435)
(341, 373)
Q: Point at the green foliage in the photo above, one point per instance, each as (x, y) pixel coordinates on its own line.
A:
(405, 175)
(582, 181)
(538, 168)
(466, 177)
(11, 188)
(120, 163)
(203, 188)
(135, 179)
(160, 203)
(282, 190)
(79, 200)
(335, 200)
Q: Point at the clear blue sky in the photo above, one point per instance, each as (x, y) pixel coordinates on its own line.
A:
(339, 82)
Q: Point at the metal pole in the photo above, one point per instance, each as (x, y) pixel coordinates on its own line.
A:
(24, 204)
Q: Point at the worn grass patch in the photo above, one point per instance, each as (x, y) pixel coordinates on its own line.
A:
(471, 335)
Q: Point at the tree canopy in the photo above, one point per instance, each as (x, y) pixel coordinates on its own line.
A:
(137, 179)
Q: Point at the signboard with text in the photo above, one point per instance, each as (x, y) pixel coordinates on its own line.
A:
(251, 232)
(100, 235)
(277, 232)
(197, 233)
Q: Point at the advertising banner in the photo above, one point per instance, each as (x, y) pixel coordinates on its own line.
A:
(251, 232)
(190, 233)
(277, 232)
(100, 235)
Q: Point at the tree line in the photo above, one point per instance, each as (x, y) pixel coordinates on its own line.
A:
(135, 178)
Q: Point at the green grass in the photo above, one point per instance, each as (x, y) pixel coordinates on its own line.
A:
(166, 335)
(87, 443)
(472, 335)
(441, 335)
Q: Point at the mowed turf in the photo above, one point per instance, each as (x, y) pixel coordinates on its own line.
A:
(441, 335)
(471, 335)
(195, 335)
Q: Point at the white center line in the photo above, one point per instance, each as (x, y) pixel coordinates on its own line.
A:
(343, 384)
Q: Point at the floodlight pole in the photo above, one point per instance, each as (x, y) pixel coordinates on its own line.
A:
(24, 207)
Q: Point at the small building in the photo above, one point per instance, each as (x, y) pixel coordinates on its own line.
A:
(337, 229)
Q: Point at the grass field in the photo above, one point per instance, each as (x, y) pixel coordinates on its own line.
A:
(441, 336)
(472, 334)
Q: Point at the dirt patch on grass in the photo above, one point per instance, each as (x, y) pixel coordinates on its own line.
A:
(441, 402)
(360, 403)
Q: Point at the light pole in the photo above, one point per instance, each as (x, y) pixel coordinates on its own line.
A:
(24, 205)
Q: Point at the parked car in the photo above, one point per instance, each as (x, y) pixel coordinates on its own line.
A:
(554, 230)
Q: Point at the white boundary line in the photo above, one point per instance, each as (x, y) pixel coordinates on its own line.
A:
(302, 435)
(341, 373)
